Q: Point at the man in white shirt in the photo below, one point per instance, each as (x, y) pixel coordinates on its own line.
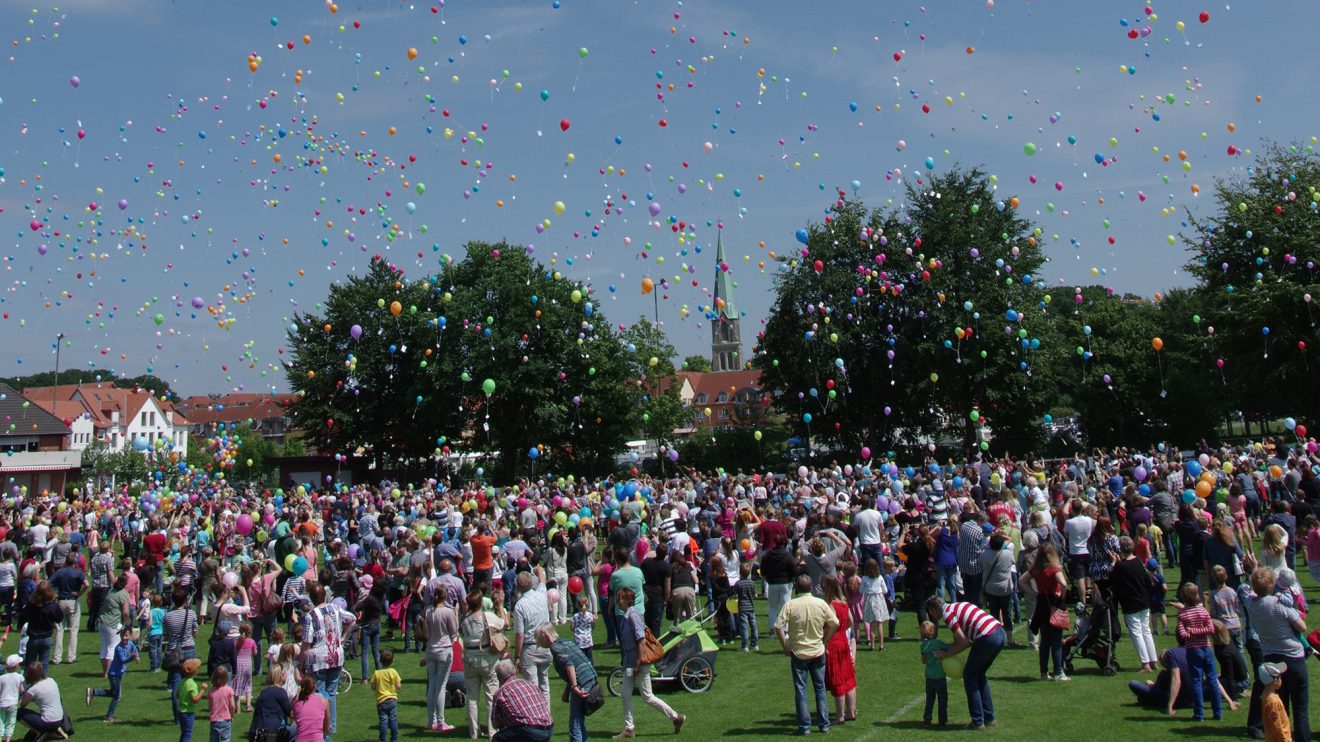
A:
(870, 529)
(1077, 532)
(529, 613)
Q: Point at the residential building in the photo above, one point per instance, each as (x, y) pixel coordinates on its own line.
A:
(266, 413)
(34, 447)
(118, 417)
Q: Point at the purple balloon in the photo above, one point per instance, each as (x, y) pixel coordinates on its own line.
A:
(74, 81)
(356, 332)
(673, 455)
(198, 302)
(654, 208)
(123, 204)
(1139, 473)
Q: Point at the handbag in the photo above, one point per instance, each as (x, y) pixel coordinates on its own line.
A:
(649, 650)
(1060, 619)
(172, 660)
(499, 643)
(594, 700)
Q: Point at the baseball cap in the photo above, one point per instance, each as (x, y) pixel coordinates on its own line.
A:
(1269, 671)
(13, 660)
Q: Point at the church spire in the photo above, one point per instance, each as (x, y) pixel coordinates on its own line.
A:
(725, 332)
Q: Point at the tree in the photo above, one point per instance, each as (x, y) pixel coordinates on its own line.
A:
(902, 324)
(158, 387)
(1256, 259)
(495, 353)
(696, 363)
(650, 359)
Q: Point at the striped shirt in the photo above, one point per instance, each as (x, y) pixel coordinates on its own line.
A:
(1195, 627)
(185, 571)
(179, 626)
(973, 622)
(1273, 619)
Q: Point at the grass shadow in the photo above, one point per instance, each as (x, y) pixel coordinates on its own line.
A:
(920, 726)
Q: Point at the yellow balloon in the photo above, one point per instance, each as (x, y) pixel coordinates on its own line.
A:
(559, 208)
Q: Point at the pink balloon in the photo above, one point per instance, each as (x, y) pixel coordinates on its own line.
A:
(244, 524)
(552, 596)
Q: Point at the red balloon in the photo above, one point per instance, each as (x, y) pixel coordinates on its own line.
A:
(1205, 16)
(818, 265)
(563, 124)
(1301, 431)
(575, 584)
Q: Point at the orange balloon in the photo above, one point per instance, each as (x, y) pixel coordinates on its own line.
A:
(412, 52)
(647, 286)
(1203, 489)
(396, 308)
(1157, 344)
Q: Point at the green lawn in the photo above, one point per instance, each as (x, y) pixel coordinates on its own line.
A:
(752, 698)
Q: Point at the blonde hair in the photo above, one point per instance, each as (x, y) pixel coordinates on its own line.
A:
(1274, 540)
(928, 630)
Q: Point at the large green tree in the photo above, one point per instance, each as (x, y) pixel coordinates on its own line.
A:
(1256, 258)
(891, 325)
(495, 353)
(654, 386)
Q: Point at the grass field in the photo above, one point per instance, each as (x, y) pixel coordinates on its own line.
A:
(752, 698)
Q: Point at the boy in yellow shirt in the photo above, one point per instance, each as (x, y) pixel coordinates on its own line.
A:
(1272, 713)
(385, 681)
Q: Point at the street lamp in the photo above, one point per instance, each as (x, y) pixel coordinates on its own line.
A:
(55, 390)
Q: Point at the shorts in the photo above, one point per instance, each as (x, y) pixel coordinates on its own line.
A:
(1079, 566)
(109, 640)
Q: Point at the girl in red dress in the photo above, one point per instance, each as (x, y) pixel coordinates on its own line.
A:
(840, 677)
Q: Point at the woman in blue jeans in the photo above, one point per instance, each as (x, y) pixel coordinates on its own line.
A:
(983, 637)
(41, 615)
(180, 634)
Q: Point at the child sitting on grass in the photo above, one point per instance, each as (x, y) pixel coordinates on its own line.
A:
(937, 684)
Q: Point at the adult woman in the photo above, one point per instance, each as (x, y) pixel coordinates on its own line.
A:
(479, 660)
(1025, 558)
(1190, 542)
(631, 631)
(917, 545)
(1131, 583)
(1049, 584)
(439, 628)
(555, 564)
(840, 674)
(682, 586)
(272, 709)
(946, 559)
(1222, 550)
(311, 713)
(369, 609)
(116, 612)
(719, 591)
(1277, 626)
(180, 635)
(412, 610)
(42, 615)
(997, 580)
(48, 716)
(1104, 552)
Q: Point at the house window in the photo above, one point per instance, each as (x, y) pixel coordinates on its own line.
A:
(724, 414)
(722, 398)
(701, 398)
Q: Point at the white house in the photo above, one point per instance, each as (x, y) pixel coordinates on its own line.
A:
(116, 417)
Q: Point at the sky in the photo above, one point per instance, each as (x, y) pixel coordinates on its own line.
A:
(177, 179)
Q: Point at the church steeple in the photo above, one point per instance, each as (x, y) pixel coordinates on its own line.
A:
(725, 333)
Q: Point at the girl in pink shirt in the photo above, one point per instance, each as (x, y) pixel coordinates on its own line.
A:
(310, 712)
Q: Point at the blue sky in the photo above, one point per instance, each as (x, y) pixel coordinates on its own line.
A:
(179, 156)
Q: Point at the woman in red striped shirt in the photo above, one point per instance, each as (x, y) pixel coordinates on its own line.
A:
(978, 632)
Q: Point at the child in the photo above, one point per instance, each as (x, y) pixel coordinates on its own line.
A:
(583, 621)
(875, 605)
(385, 681)
(1273, 714)
(1141, 544)
(246, 655)
(1194, 630)
(287, 659)
(224, 704)
(937, 685)
(890, 577)
(1157, 590)
(157, 632)
(745, 589)
(273, 651)
(189, 694)
(11, 689)
(852, 590)
(125, 652)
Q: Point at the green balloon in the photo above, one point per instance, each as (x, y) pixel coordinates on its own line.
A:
(488, 386)
(974, 415)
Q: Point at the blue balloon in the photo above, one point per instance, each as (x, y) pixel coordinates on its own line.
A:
(802, 235)
(1194, 468)
(533, 453)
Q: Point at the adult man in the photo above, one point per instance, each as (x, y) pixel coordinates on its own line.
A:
(655, 575)
(1163, 512)
(483, 559)
(520, 711)
(70, 583)
(804, 627)
(778, 569)
(529, 613)
(323, 645)
(626, 576)
(971, 541)
(102, 572)
(624, 535)
(455, 592)
(977, 631)
(870, 533)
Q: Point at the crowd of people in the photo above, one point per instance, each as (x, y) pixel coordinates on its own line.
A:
(280, 593)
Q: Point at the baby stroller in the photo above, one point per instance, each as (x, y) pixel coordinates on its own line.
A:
(689, 657)
(1096, 636)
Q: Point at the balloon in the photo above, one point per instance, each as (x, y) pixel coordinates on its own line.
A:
(866, 452)
(953, 666)
(396, 308)
(1189, 497)
(802, 235)
(1157, 344)
(299, 565)
(552, 596)
(1139, 474)
(1030, 149)
(647, 286)
(731, 605)
(1300, 430)
(289, 562)
(757, 435)
(488, 386)
(533, 453)
(802, 472)
(356, 332)
(564, 124)
(230, 579)
(244, 524)
(575, 584)
(1276, 471)
(1203, 489)
(1194, 468)
(1289, 423)
(673, 455)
